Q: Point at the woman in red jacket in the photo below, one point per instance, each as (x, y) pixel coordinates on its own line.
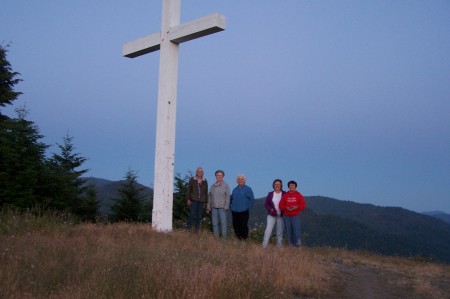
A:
(291, 204)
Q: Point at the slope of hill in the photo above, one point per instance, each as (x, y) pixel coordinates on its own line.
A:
(394, 220)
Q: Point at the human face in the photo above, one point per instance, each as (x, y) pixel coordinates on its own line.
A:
(219, 177)
(292, 187)
(241, 181)
(199, 172)
(277, 186)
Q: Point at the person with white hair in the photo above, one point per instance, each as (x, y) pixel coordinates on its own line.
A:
(241, 202)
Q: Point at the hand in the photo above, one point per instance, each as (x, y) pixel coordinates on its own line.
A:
(189, 202)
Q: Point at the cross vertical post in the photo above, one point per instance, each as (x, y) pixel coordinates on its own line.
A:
(166, 121)
(167, 41)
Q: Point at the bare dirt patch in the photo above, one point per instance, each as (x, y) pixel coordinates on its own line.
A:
(365, 282)
(373, 281)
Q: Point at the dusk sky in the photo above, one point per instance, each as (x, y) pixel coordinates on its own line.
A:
(349, 98)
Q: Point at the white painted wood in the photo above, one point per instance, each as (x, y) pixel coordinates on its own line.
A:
(142, 46)
(165, 121)
(177, 34)
(197, 28)
(168, 40)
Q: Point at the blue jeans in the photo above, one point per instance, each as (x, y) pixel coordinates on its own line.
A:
(219, 216)
(271, 221)
(196, 214)
(293, 230)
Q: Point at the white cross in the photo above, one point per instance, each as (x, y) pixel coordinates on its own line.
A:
(172, 34)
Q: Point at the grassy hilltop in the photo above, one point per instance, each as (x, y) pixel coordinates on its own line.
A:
(45, 257)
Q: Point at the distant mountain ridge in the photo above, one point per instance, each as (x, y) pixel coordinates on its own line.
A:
(345, 224)
(439, 214)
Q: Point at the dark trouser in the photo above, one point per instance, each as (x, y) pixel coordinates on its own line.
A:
(196, 214)
(240, 224)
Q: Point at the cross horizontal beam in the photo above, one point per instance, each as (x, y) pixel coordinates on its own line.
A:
(144, 45)
(178, 34)
(197, 28)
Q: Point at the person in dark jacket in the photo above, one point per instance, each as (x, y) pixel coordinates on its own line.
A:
(274, 214)
(196, 198)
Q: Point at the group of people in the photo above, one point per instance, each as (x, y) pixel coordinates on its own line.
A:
(283, 207)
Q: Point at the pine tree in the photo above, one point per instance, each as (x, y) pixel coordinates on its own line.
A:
(129, 206)
(22, 159)
(22, 154)
(20, 151)
(68, 186)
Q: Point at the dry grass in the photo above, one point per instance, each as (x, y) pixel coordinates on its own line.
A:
(40, 257)
(131, 260)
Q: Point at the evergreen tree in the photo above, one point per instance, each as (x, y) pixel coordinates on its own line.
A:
(20, 152)
(7, 81)
(22, 159)
(130, 205)
(22, 155)
(68, 186)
